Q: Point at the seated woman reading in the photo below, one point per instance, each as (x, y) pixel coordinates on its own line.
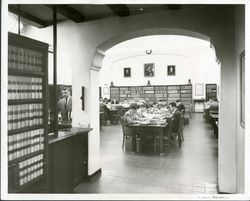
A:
(131, 116)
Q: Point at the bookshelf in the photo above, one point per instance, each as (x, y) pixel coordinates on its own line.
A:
(27, 113)
(151, 94)
(211, 91)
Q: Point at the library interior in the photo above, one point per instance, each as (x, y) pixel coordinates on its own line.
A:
(124, 98)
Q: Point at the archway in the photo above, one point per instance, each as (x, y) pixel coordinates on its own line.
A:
(101, 49)
(94, 139)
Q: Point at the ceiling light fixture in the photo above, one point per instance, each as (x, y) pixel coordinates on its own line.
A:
(149, 51)
(141, 9)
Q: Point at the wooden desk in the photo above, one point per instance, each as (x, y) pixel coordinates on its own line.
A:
(159, 127)
(198, 105)
(68, 159)
(64, 124)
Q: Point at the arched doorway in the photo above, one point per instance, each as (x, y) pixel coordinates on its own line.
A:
(94, 140)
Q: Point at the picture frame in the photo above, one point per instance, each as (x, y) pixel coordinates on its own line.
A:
(171, 70)
(149, 70)
(105, 90)
(199, 89)
(127, 72)
(242, 89)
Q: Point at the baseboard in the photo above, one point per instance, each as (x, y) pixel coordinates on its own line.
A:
(224, 193)
(220, 192)
(94, 175)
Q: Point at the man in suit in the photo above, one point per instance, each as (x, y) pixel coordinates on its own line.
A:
(65, 105)
(176, 114)
(69, 104)
(114, 101)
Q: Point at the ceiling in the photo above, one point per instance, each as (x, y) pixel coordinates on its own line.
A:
(42, 15)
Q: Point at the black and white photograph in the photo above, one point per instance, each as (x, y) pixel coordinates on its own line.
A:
(127, 72)
(122, 100)
(171, 70)
(149, 70)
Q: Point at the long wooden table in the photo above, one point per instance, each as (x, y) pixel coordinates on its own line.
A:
(159, 127)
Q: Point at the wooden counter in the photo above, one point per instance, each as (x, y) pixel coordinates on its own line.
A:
(68, 159)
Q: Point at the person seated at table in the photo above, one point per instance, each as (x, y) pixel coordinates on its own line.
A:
(131, 116)
(105, 110)
(176, 115)
(180, 106)
(114, 101)
(214, 106)
(142, 110)
(108, 103)
(165, 109)
(154, 109)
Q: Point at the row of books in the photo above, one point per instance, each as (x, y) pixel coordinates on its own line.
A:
(25, 139)
(24, 115)
(30, 161)
(30, 168)
(24, 59)
(37, 171)
(24, 87)
(24, 151)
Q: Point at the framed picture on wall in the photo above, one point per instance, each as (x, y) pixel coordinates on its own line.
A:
(199, 89)
(171, 70)
(242, 89)
(105, 90)
(127, 72)
(149, 70)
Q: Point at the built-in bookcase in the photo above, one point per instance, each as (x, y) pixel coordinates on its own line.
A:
(151, 94)
(27, 113)
(211, 91)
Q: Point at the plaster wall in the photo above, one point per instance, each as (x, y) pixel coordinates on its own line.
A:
(200, 66)
(79, 43)
(240, 137)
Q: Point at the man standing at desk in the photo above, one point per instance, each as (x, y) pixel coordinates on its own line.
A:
(65, 105)
(69, 103)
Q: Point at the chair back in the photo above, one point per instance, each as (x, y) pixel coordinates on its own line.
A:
(101, 108)
(181, 123)
(170, 126)
(122, 123)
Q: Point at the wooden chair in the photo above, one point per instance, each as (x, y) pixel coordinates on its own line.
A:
(125, 135)
(123, 132)
(188, 114)
(181, 127)
(102, 116)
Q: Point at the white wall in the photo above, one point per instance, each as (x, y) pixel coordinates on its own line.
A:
(195, 61)
(79, 42)
(240, 138)
(64, 68)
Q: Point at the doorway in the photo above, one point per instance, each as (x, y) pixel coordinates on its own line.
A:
(110, 137)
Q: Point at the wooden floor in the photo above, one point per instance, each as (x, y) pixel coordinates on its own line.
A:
(189, 170)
